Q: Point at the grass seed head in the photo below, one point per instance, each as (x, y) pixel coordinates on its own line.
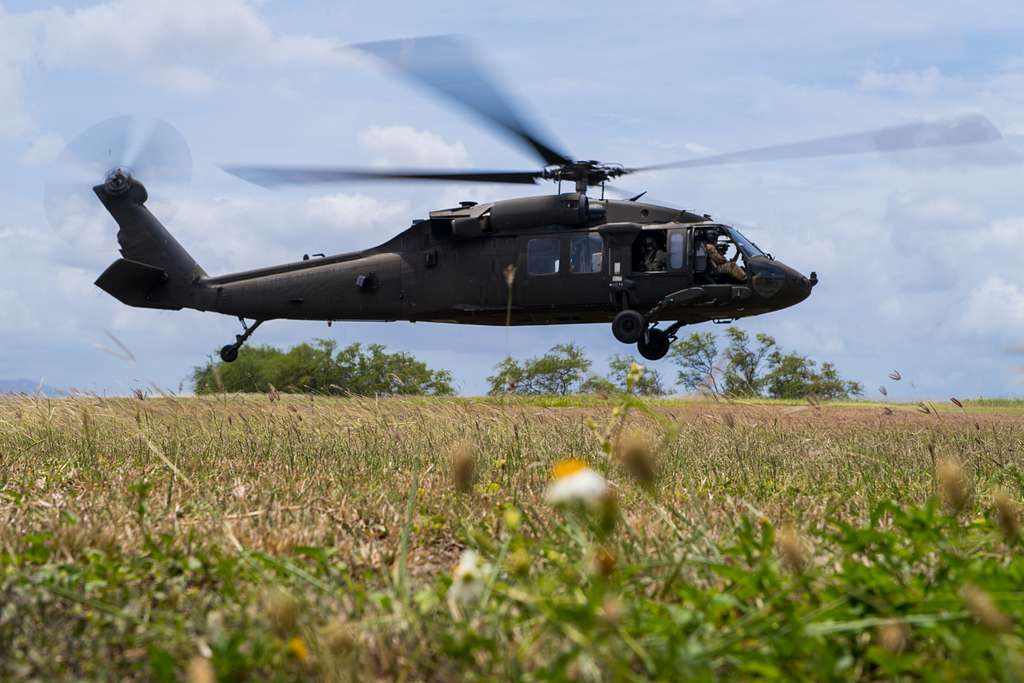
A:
(518, 562)
(339, 636)
(892, 637)
(463, 464)
(791, 549)
(984, 611)
(510, 275)
(952, 484)
(282, 610)
(637, 459)
(612, 610)
(1007, 514)
(603, 562)
(200, 670)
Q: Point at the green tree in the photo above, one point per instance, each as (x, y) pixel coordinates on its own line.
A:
(746, 369)
(742, 371)
(596, 384)
(696, 357)
(320, 367)
(562, 370)
(253, 371)
(649, 383)
(378, 372)
(507, 378)
(793, 376)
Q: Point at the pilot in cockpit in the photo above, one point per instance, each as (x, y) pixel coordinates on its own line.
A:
(718, 255)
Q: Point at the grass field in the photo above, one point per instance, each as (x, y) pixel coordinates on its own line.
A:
(239, 537)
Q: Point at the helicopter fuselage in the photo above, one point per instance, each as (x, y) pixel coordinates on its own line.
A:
(542, 260)
(493, 275)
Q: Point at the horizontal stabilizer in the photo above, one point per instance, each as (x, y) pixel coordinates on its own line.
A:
(132, 283)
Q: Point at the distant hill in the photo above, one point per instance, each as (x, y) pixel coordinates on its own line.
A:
(26, 386)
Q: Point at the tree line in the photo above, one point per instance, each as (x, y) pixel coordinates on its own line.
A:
(734, 366)
(322, 368)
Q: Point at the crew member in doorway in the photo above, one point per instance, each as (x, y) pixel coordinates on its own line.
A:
(653, 255)
(717, 254)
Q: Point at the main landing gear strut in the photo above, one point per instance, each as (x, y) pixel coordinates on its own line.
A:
(229, 353)
(631, 327)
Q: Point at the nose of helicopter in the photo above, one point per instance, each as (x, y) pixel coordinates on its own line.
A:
(781, 285)
(800, 285)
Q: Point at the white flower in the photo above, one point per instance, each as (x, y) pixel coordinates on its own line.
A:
(468, 577)
(575, 482)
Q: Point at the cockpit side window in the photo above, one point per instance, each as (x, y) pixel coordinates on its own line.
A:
(722, 261)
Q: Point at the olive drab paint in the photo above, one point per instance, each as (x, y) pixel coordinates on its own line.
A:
(576, 260)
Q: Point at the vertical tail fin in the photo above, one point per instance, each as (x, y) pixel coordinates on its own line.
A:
(156, 271)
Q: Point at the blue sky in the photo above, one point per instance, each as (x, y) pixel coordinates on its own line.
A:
(918, 255)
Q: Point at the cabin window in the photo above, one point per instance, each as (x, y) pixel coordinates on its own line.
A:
(542, 255)
(675, 250)
(586, 254)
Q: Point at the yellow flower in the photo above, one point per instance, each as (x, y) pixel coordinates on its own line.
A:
(298, 648)
(512, 518)
(574, 482)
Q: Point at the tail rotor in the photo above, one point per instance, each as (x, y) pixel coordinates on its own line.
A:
(111, 152)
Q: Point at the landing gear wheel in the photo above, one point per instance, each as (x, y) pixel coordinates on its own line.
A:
(229, 353)
(628, 326)
(654, 344)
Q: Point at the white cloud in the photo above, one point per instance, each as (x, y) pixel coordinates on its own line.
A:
(15, 120)
(698, 149)
(183, 80)
(352, 213)
(238, 233)
(124, 33)
(407, 146)
(178, 45)
(995, 308)
(917, 83)
(44, 149)
(18, 316)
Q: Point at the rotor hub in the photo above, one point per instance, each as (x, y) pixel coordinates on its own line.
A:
(584, 173)
(118, 180)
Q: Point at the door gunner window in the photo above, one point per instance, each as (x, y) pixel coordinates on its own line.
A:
(649, 252)
(542, 256)
(586, 254)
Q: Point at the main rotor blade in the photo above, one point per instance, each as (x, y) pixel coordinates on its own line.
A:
(448, 66)
(965, 130)
(273, 176)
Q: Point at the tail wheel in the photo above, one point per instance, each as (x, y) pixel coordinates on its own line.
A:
(229, 353)
(654, 344)
(628, 326)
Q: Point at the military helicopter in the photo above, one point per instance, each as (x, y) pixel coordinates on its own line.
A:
(549, 259)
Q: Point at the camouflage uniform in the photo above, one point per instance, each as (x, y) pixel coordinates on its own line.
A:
(721, 265)
(655, 261)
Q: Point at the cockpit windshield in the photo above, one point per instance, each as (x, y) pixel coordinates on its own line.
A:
(746, 246)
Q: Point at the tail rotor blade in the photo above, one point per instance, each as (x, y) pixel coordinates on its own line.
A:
(149, 149)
